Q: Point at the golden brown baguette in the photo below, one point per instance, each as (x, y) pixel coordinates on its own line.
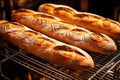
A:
(68, 33)
(83, 19)
(45, 47)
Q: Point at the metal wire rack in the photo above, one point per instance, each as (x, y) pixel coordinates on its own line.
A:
(107, 67)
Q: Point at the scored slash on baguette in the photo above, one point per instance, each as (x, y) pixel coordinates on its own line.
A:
(83, 19)
(56, 28)
(45, 47)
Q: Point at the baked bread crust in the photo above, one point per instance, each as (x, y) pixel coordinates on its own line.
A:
(83, 19)
(56, 28)
(71, 34)
(46, 47)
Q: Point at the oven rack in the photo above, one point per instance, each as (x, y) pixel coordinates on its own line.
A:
(25, 59)
(107, 72)
(104, 69)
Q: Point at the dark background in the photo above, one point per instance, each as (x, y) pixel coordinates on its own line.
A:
(105, 8)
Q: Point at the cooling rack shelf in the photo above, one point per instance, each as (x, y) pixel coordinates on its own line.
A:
(107, 67)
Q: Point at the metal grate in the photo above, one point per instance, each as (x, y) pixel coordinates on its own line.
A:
(107, 67)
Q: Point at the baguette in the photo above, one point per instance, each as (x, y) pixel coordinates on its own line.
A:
(89, 21)
(71, 34)
(45, 47)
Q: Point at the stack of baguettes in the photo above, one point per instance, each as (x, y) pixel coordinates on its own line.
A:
(48, 21)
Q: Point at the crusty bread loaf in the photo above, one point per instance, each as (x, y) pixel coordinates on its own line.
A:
(83, 19)
(54, 27)
(45, 47)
